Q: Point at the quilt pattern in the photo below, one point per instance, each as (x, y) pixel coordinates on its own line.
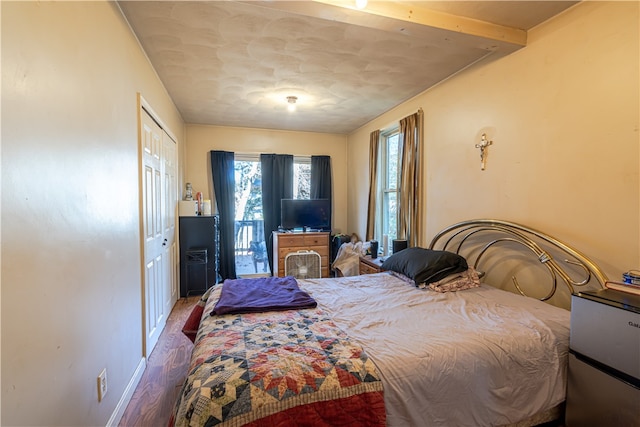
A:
(278, 368)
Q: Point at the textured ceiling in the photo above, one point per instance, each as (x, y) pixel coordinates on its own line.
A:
(234, 63)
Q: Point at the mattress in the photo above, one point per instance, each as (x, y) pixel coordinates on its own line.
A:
(477, 357)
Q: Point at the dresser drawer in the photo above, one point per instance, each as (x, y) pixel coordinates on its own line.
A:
(323, 251)
(316, 240)
(290, 240)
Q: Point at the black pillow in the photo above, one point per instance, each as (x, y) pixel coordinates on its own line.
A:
(425, 265)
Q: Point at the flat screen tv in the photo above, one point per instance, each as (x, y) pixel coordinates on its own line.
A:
(311, 214)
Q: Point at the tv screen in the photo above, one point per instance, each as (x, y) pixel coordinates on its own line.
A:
(314, 214)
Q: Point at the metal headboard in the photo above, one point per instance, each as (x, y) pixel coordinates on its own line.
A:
(495, 232)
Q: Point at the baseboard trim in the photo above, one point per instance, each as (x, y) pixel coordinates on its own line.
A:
(117, 414)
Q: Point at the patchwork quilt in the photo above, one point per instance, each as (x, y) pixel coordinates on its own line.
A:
(292, 367)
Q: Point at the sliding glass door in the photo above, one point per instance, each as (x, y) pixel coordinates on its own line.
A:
(250, 246)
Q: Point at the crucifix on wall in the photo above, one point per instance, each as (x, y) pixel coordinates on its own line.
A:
(483, 146)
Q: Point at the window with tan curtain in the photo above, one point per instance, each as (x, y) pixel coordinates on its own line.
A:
(410, 220)
(395, 192)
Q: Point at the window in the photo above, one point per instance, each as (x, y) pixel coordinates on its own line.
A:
(249, 184)
(390, 155)
(301, 177)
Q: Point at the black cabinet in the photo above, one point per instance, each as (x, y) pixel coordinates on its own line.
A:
(199, 254)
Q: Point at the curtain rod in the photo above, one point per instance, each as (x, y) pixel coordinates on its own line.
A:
(395, 123)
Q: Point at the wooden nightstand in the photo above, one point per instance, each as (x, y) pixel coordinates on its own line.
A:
(369, 265)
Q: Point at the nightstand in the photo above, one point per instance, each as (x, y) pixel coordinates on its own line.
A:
(370, 265)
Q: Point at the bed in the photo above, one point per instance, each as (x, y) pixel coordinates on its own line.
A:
(377, 350)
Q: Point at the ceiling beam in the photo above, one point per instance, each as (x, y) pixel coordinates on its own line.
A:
(401, 17)
(411, 12)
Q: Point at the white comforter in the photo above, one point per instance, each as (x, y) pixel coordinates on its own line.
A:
(477, 357)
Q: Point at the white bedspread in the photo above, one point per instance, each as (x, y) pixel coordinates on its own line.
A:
(478, 357)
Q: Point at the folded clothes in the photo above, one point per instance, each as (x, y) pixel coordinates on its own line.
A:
(261, 294)
(457, 282)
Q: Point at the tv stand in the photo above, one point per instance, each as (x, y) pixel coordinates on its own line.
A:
(285, 243)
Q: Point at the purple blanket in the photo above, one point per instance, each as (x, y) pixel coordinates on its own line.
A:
(261, 294)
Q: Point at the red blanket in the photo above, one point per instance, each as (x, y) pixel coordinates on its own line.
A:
(190, 328)
(285, 368)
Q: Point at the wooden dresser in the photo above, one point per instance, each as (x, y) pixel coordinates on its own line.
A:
(285, 243)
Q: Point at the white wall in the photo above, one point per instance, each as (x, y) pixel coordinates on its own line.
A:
(202, 139)
(563, 115)
(71, 274)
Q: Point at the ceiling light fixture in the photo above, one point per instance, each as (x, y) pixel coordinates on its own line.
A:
(292, 103)
(361, 4)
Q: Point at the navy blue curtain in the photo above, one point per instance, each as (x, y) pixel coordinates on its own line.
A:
(277, 184)
(224, 184)
(321, 179)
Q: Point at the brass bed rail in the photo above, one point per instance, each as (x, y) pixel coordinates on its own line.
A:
(543, 246)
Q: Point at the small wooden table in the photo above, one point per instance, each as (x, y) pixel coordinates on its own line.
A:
(370, 265)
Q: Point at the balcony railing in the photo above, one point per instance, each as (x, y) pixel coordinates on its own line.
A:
(250, 247)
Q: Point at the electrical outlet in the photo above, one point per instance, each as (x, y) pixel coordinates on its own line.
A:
(102, 384)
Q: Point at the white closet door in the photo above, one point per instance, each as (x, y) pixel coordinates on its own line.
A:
(153, 217)
(170, 191)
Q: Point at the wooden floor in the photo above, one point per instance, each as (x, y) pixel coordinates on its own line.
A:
(153, 401)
